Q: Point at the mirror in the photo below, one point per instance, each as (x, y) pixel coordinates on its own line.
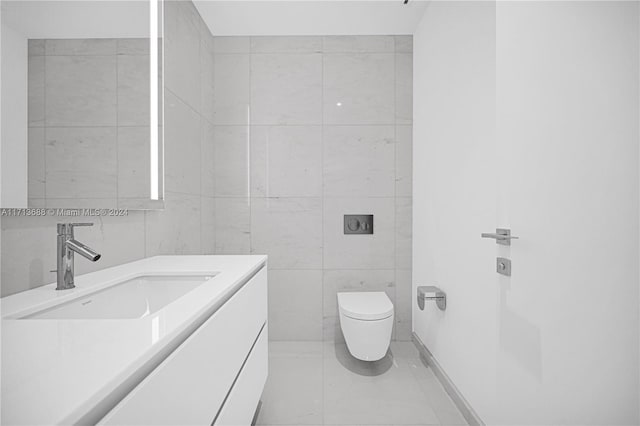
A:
(81, 104)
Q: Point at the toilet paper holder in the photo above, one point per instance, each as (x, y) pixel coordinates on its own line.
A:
(429, 292)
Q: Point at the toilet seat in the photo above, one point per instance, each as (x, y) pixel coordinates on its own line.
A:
(366, 306)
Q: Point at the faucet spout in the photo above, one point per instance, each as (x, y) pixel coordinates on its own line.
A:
(83, 250)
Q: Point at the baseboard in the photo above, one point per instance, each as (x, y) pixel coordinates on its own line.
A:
(466, 410)
(256, 413)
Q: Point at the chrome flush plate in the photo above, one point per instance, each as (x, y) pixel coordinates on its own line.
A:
(358, 224)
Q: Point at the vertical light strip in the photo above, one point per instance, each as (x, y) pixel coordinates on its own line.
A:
(249, 152)
(153, 78)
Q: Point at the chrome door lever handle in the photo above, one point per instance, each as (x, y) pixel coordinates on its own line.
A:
(499, 236)
(502, 236)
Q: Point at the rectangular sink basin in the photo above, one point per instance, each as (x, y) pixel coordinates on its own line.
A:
(134, 298)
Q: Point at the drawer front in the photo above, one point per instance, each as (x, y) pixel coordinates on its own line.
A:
(243, 399)
(189, 387)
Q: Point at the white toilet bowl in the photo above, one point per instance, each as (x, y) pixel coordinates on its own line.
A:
(366, 319)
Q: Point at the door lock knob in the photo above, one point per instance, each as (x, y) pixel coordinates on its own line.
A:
(503, 266)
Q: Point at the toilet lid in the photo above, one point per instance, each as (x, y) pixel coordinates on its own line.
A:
(365, 305)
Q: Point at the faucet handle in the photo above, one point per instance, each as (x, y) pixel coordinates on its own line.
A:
(67, 228)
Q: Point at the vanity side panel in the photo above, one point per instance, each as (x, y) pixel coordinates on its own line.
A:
(189, 387)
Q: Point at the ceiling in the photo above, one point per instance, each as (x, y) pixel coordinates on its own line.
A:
(77, 19)
(311, 17)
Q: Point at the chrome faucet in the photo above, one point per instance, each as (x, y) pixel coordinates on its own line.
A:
(67, 246)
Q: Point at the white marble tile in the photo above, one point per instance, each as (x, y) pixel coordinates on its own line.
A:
(33, 235)
(286, 44)
(182, 50)
(176, 229)
(374, 251)
(403, 303)
(335, 281)
(140, 204)
(384, 392)
(35, 162)
(359, 88)
(208, 225)
(398, 390)
(231, 44)
(404, 232)
(87, 46)
(80, 90)
(181, 147)
(405, 350)
(295, 349)
(207, 160)
(404, 44)
(286, 88)
(293, 393)
(359, 161)
(354, 44)
(231, 88)
(207, 70)
(404, 161)
(295, 304)
(132, 46)
(133, 90)
(231, 161)
(233, 226)
(81, 203)
(35, 91)
(279, 153)
(134, 176)
(118, 239)
(35, 47)
(81, 162)
(36, 202)
(404, 88)
(289, 230)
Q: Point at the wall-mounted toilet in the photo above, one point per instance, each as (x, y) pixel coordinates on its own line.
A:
(366, 319)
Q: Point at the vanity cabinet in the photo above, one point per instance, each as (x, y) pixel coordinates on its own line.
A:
(215, 376)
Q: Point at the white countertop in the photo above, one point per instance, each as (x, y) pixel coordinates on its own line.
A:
(60, 371)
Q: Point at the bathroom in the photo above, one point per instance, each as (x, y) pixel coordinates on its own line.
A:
(320, 212)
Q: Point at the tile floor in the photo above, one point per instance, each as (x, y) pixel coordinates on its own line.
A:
(319, 383)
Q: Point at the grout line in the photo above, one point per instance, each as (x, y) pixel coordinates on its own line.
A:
(248, 125)
(118, 134)
(200, 127)
(330, 197)
(231, 125)
(90, 127)
(322, 239)
(395, 191)
(44, 119)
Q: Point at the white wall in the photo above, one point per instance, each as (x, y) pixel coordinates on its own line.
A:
(78, 19)
(526, 116)
(14, 118)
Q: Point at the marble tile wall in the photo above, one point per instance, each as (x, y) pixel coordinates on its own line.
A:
(88, 115)
(308, 129)
(187, 224)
